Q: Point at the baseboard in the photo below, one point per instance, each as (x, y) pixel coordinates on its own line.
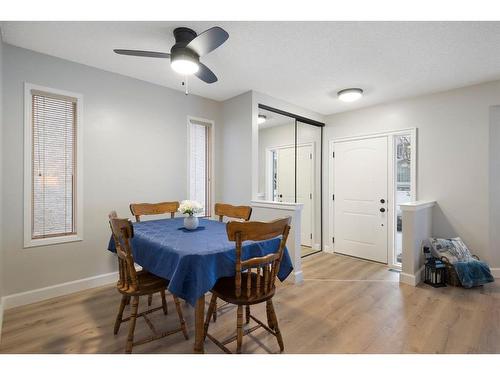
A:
(37, 295)
(298, 277)
(495, 272)
(409, 279)
(328, 249)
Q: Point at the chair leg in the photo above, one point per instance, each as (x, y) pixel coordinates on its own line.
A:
(215, 310)
(247, 314)
(211, 310)
(239, 328)
(119, 317)
(131, 328)
(181, 317)
(150, 300)
(270, 322)
(164, 302)
(276, 328)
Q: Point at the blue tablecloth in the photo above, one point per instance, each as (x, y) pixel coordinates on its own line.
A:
(193, 261)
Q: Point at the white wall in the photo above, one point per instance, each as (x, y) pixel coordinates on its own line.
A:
(453, 157)
(135, 138)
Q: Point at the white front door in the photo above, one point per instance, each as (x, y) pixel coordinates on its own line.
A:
(360, 181)
(285, 184)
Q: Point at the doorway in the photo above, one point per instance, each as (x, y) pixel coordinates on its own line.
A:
(371, 176)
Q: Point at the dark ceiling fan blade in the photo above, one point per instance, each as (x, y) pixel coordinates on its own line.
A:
(205, 74)
(208, 40)
(133, 52)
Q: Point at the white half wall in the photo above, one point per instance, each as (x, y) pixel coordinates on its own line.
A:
(135, 138)
(453, 156)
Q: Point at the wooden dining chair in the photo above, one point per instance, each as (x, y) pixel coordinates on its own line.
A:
(232, 212)
(140, 209)
(254, 280)
(133, 284)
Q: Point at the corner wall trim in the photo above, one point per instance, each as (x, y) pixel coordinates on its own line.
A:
(37, 295)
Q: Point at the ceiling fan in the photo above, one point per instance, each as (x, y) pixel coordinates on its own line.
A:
(186, 52)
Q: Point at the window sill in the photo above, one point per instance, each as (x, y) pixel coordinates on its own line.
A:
(51, 241)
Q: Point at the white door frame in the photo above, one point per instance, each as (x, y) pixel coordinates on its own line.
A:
(211, 168)
(391, 171)
(269, 186)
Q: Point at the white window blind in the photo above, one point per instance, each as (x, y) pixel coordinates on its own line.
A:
(54, 125)
(199, 168)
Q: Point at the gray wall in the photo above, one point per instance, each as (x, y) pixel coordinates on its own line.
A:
(453, 157)
(494, 204)
(236, 147)
(135, 138)
(1, 176)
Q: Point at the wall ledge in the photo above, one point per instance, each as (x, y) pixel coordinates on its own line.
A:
(277, 205)
(417, 205)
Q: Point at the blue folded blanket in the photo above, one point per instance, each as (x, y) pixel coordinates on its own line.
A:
(473, 272)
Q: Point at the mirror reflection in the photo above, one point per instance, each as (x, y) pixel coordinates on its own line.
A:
(290, 170)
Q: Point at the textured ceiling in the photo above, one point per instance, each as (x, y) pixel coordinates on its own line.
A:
(304, 63)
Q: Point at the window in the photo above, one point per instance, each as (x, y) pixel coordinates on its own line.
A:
(199, 157)
(52, 174)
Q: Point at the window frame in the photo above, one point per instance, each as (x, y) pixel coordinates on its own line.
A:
(28, 162)
(210, 169)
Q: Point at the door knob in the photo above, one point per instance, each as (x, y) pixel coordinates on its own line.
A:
(382, 209)
(382, 201)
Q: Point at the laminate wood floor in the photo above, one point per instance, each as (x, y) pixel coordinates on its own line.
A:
(345, 305)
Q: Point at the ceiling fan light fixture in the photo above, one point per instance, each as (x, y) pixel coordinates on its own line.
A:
(184, 66)
(350, 95)
(261, 119)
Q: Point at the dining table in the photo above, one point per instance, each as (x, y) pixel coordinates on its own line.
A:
(193, 260)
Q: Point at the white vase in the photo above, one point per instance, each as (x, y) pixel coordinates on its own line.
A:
(191, 222)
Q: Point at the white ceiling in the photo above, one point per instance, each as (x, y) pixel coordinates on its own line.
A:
(304, 63)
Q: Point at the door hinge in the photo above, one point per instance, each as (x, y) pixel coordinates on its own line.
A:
(310, 195)
(311, 236)
(333, 239)
(310, 156)
(333, 154)
(333, 197)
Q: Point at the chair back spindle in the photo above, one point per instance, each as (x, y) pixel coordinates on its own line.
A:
(260, 272)
(139, 209)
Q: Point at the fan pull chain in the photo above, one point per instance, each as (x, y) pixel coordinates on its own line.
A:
(185, 84)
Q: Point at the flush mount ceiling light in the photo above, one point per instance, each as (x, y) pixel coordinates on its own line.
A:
(261, 119)
(350, 95)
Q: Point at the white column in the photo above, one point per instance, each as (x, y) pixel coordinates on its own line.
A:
(267, 210)
(417, 227)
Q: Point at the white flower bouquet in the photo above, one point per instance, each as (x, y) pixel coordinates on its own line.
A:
(190, 208)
